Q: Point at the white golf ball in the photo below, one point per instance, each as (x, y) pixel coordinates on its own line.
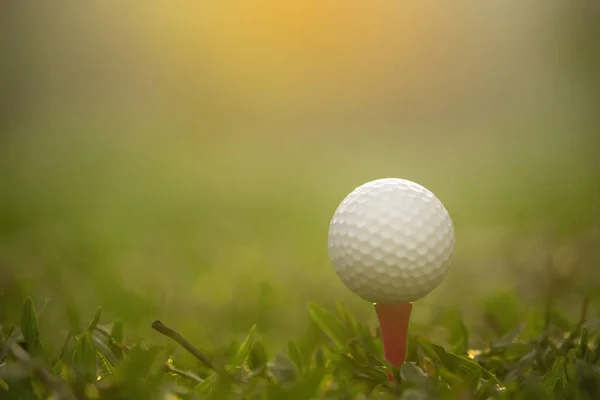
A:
(391, 241)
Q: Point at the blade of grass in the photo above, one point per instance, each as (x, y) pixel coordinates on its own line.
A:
(241, 357)
(31, 330)
(94, 321)
(329, 324)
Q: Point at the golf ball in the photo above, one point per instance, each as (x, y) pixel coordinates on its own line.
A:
(391, 241)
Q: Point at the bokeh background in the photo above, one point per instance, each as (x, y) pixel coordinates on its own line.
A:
(182, 160)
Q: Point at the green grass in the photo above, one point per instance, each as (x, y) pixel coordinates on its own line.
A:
(339, 357)
(214, 237)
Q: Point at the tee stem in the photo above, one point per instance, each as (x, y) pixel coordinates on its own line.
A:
(393, 322)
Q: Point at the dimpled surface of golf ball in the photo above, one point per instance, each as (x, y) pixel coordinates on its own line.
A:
(391, 241)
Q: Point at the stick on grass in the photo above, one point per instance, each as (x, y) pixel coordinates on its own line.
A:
(170, 333)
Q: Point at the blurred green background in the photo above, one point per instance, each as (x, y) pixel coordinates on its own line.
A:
(182, 161)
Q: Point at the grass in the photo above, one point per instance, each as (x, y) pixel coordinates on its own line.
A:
(229, 256)
(339, 357)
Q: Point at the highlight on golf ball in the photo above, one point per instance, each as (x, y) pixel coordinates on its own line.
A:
(391, 241)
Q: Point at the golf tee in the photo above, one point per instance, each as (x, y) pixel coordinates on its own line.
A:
(393, 323)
